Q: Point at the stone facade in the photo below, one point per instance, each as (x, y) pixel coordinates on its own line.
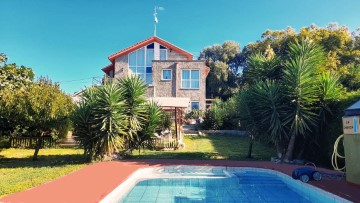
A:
(121, 67)
(172, 88)
(169, 88)
(173, 55)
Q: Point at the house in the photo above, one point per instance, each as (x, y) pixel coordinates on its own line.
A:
(169, 71)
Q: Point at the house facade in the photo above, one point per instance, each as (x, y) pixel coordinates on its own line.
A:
(169, 71)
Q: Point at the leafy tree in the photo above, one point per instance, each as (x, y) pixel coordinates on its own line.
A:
(41, 108)
(3, 58)
(224, 68)
(14, 77)
(341, 48)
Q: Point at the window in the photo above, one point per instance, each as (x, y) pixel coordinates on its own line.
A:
(140, 63)
(166, 74)
(190, 79)
(195, 105)
(163, 54)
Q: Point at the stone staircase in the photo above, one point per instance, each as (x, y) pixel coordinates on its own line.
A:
(190, 129)
(69, 141)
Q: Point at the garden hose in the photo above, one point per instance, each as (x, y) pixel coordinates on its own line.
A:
(336, 155)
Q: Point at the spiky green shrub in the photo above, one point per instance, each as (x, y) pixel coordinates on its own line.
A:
(115, 117)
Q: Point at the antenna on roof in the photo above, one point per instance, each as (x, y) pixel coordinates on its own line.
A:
(157, 8)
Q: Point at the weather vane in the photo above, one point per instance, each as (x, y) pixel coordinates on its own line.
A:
(157, 8)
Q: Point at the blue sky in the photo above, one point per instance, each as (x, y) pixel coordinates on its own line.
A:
(70, 40)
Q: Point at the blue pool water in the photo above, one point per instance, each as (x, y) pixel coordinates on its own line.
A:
(243, 187)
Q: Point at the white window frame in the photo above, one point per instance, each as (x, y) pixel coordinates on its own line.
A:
(166, 54)
(190, 79)
(191, 106)
(162, 74)
(137, 66)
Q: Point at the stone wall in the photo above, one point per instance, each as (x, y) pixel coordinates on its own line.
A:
(173, 55)
(172, 88)
(169, 88)
(121, 67)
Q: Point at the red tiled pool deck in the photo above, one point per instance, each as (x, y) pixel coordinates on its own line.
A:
(95, 181)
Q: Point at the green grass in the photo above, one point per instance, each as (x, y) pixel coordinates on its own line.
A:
(18, 172)
(212, 147)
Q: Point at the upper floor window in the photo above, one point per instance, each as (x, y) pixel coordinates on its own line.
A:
(140, 62)
(166, 74)
(190, 79)
(163, 53)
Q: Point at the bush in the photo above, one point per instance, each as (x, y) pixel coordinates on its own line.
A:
(334, 128)
(221, 116)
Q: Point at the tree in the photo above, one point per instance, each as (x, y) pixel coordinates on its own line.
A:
(261, 67)
(224, 68)
(40, 108)
(341, 48)
(14, 77)
(268, 110)
(3, 58)
(133, 91)
(99, 122)
(152, 122)
(115, 117)
(299, 80)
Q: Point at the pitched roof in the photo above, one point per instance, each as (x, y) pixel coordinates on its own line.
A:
(146, 42)
(108, 68)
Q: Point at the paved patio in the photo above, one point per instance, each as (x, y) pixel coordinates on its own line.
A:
(95, 181)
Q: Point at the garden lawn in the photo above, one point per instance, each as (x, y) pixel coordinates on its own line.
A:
(212, 147)
(18, 172)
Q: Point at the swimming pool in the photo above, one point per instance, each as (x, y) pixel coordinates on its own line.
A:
(215, 184)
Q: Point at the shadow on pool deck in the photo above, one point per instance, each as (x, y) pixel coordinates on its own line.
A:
(94, 182)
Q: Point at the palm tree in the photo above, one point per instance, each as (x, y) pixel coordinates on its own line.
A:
(301, 91)
(268, 109)
(99, 121)
(109, 119)
(261, 67)
(133, 90)
(152, 122)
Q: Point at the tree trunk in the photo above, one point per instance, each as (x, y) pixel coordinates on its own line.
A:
(290, 149)
(302, 151)
(37, 148)
(279, 151)
(249, 155)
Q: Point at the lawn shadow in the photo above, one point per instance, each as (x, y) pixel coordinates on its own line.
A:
(43, 161)
(210, 147)
(236, 147)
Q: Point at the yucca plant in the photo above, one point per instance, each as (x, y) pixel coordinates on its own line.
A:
(266, 102)
(301, 89)
(329, 90)
(260, 68)
(152, 122)
(109, 119)
(84, 124)
(133, 90)
(99, 121)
